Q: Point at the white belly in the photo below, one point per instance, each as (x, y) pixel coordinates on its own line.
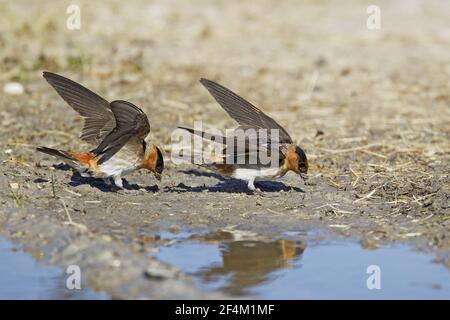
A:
(117, 167)
(251, 174)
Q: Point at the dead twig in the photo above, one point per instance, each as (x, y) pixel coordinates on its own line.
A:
(70, 222)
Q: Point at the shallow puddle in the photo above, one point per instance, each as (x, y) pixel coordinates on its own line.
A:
(23, 277)
(244, 266)
(286, 269)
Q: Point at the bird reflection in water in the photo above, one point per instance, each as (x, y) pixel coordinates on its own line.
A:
(248, 263)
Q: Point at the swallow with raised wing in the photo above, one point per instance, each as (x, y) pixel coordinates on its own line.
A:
(290, 157)
(118, 130)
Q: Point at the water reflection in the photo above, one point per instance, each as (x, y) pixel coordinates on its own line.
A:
(23, 277)
(250, 263)
(242, 265)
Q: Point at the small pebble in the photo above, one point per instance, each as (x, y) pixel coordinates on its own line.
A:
(13, 88)
(159, 273)
(14, 185)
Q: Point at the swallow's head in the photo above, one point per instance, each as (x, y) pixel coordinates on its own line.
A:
(302, 163)
(296, 160)
(154, 161)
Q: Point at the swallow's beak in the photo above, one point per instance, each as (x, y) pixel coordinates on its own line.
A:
(158, 176)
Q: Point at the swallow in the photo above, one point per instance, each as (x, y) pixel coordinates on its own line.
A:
(118, 130)
(290, 156)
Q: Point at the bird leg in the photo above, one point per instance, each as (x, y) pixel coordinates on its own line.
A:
(253, 189)
(251, 184)
(118, 181)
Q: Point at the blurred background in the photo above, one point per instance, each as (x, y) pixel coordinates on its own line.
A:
(312, 64)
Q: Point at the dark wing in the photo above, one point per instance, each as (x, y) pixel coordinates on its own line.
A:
(98, 118)
(246, 114)
(131, 123)
(240, 148)
(244, 139)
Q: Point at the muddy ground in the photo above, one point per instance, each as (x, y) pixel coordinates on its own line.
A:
(369, 107)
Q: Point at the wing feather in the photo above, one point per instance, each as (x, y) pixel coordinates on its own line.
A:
(246, 114)
(131, 123)
(99, 119)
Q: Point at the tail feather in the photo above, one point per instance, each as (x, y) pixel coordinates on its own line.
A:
(206, 135)
(56, 153)
(68, 159)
